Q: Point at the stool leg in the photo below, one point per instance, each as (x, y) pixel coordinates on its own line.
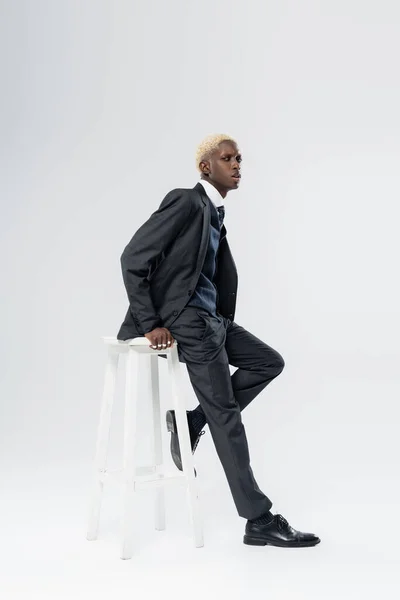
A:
(158, 453)
(185, 447)
(103, 434)
(131, 393)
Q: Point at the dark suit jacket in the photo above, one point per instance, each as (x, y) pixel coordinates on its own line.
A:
(162, 263)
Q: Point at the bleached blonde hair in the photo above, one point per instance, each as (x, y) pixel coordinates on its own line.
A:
(208, 145)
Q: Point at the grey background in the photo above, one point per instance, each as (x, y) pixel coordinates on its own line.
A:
(102, 106)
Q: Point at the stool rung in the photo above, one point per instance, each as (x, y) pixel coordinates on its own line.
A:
(144, 476)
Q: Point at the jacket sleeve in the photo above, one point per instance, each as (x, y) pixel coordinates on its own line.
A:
(149, 241)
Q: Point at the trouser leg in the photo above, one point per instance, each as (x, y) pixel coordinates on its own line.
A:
(258, 364)
(201, 344)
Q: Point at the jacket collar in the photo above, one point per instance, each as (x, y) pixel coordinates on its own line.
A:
(199, 188)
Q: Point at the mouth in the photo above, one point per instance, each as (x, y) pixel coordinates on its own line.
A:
(236, 176)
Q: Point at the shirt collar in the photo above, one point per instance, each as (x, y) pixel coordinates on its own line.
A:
(212, 193)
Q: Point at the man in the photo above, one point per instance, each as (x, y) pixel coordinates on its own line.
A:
(181, 282)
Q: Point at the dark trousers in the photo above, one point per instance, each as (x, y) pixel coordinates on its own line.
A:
(208, 345)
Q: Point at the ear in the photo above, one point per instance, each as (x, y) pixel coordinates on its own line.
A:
(205, 167)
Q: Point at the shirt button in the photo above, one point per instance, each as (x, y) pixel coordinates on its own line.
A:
(189, 292)
(175, 313)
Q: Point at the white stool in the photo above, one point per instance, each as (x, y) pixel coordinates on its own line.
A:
(134, 477)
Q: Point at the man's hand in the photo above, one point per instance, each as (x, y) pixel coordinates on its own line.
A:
(160, 338)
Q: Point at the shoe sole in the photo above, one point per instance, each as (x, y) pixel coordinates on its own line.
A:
(172, 428)
(171, 422)
(254, 541)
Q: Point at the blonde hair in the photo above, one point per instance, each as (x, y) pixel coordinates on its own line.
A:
(208, 145)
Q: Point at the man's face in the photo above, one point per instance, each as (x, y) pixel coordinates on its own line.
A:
(223, 167)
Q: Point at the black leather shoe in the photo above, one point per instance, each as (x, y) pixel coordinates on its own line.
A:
(278, 533)
(194, 437)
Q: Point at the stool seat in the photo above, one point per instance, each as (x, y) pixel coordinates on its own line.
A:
(135, 477)
(141, 343)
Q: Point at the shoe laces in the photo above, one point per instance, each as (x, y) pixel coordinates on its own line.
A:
(281, 522)
(197, 440)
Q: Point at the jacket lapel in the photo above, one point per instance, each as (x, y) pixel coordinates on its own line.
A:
(206, 223)
(206, 226)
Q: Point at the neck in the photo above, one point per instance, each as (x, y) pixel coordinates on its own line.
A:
(223, 191)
